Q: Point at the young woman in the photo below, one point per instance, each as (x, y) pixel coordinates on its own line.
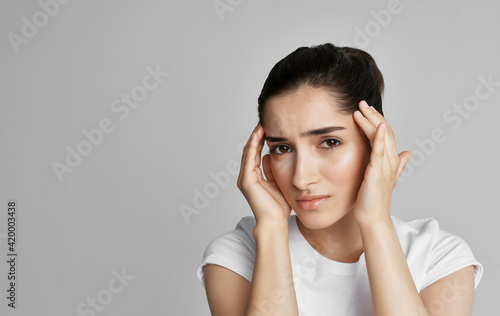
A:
(333, 160)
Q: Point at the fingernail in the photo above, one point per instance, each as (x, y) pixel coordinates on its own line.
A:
(358, 113)
(364, 104)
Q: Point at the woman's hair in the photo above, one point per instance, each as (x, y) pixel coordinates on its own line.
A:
(350, 74)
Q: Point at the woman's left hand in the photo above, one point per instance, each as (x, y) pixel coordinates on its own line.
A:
(383, 171)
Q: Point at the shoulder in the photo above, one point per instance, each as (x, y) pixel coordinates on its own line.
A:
(432, 252)
(417, 232)
(427, 233)
(240, 238)
(246, 225)
(426, 225)
(234, 250)
(242, 234)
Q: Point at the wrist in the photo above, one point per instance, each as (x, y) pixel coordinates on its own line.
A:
(375, 222)
(267, 230)
(376, 226)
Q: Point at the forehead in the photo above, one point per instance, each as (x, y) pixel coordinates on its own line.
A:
(303, 109)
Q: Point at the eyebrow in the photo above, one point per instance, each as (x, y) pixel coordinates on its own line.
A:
(314, 132)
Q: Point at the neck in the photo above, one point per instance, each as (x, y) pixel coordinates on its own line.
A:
(340, 242)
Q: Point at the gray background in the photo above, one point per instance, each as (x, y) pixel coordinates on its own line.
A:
(120, 207)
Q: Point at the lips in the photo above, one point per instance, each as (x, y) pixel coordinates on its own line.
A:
(311, 202)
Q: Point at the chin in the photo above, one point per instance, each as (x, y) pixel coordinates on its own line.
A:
(319, 219)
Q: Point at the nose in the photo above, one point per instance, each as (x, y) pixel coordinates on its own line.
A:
(305, 171)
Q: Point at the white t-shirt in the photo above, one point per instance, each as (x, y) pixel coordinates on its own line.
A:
(327, 287)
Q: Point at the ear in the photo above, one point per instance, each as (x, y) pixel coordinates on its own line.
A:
(367, 142)
(266, 165)
(403, 160)
(368, 147)
(365, 138)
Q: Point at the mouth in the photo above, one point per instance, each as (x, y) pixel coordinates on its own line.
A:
(311, 202)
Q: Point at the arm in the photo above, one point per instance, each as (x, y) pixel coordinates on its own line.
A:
(272, 290)
(393, 291)
(451, 295)
(227, 291)
(392, 287)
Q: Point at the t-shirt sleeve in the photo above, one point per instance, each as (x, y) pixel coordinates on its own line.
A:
(449, 254)
(234, 250)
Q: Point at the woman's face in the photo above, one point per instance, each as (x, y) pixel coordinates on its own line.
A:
(318, 154)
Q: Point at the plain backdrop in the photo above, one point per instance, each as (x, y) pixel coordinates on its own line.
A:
(121, 229)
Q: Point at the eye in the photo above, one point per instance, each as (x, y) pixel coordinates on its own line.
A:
(330, 143)
(280, 149)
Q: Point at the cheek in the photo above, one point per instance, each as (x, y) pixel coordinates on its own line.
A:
(346, 169)
(282, 172)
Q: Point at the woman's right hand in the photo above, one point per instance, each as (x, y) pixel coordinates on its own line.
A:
(265, 198)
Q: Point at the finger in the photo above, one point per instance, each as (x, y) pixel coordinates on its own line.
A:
(390, 141)
(391, 153)
(248, 160)
(247, 145)
(261, 140)
(390, 147)
(375, 118)
(378, 146)
(365, 126)
(370, 113)
(266, 165)
(254, 152)
(404, 157)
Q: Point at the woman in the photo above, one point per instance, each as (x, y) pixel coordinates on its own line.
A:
(333, 160)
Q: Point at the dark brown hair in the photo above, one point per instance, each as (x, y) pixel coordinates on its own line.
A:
(350, 74)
